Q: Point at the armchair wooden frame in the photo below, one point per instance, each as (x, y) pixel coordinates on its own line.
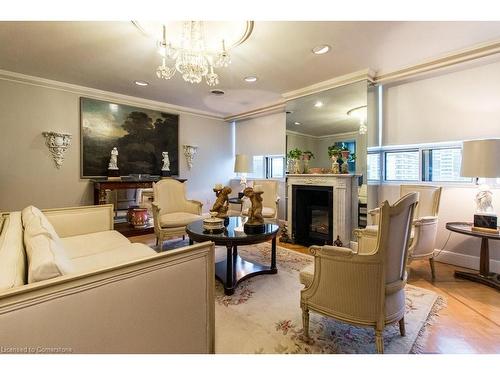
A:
(352, 287)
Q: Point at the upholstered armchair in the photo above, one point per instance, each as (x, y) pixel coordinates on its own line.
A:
(425, 223)
(364, 288)
(171, 210)
(270, 199)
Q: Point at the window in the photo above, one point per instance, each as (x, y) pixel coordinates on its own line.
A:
(373, 168)
(402, 166)
(268, 167)
(276, 167)
(442, 165)
(259, 167)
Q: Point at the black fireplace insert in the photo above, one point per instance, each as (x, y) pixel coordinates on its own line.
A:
(312, 211)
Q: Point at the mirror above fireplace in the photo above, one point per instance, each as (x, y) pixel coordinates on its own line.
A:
(317, 193)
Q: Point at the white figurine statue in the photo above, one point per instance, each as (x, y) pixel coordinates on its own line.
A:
(166, 161)
(113, 162)
(484, 199)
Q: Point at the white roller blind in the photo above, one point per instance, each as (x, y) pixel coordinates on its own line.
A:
(450, 107)
(264, 135)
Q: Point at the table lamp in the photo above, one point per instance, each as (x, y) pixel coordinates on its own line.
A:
(481, 158)
(243, 164)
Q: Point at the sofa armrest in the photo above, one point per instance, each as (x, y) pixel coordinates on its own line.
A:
(136, 307)
(73, 221)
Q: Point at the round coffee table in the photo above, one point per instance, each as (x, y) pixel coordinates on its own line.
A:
(234, 269)
(484, 276)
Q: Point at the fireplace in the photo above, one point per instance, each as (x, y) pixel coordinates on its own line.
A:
(312, 215)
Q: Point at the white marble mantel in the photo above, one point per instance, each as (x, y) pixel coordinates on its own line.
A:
(345, 200)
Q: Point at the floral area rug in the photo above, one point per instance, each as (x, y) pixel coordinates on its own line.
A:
(264, 315)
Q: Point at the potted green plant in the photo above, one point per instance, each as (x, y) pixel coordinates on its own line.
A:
(334, 151)
(294, 156)
(307, 155)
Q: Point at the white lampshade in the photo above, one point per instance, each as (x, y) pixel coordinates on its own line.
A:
(481, 158)
(243, 164)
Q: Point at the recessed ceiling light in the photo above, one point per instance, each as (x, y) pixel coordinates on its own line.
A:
(297, 123)
(322, 49)
(251, 79)
(318, 104)
(141, 83)
(217, 92)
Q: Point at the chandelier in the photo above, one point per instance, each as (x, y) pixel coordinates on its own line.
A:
(191, 58)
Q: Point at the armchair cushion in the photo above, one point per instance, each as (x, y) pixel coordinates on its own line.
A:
(306, 276)
(267, 212)
(178, 219)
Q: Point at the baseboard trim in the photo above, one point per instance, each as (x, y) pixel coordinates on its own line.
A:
(463, 260)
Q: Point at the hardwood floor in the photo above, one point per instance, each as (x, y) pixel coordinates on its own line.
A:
(470, 322)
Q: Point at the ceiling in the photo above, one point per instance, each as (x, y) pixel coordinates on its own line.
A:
(331, 117)
(112, 55)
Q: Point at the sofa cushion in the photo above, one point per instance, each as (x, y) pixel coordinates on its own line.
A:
(178, 219)
(306, 275)
(12, 254)
(46, 255)
(46, 258)
(36, 222)
(92, 243)
(111, 258)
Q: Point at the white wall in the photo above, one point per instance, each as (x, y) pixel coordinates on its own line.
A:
(263, 135)
(27, 171)
(450, 107)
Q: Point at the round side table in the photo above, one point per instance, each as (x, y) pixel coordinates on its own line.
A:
(484, 276)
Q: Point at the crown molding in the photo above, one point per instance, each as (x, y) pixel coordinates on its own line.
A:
(338, 135)
(360, 75)
(258, 112)
(6, 75)
(462, 56)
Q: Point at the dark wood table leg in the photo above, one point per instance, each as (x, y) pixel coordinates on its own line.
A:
(229, 284)
(273, 255)
(190, 241)
(484, 258)
(484, 276)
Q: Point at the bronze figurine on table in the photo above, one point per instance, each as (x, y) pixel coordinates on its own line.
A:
(255, 222)
(221, 204)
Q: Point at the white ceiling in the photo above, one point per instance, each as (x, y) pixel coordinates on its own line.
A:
(112, 55)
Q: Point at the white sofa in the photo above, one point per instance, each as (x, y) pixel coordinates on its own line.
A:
(101, 293)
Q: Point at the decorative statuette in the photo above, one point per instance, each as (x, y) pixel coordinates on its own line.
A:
(57, 143)
(113, 161)
(255, 223)
(189, 153)
(221, 204)
(165, 170)
(113, 170)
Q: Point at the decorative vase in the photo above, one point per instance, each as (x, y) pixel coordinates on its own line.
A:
(140, 217)
(306, 159)
(130, 213)
(296, 166)
(335, 164)
(345, 156)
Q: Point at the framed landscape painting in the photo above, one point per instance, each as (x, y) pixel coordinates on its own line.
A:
(140, 135)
